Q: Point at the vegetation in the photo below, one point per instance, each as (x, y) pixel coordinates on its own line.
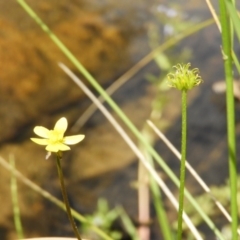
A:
(198, 210)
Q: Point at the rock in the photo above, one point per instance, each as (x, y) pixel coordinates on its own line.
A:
(32, 85)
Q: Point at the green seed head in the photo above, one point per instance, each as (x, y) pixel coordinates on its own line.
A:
(183, 78)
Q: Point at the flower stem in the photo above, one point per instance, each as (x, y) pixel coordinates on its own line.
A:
(183, 159)
(232, 157)
(65, 197)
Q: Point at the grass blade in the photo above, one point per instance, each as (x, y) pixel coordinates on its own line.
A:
(233, 14)
(228, 67)
(16, 210)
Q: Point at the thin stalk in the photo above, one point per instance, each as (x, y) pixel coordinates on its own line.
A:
(183, 160)
(160, 211)
(65, 197)
(16, 210)
(227, 57)
(143, 202)
(233, 13)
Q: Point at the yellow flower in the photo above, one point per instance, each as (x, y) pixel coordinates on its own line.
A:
(184, 78)
(54, 139)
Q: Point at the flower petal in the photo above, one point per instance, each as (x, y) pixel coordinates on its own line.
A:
(40, 141)
(41, 131)
(52, 148)
(73, 139)
(61, 125)
(63, 147)
(57, 147)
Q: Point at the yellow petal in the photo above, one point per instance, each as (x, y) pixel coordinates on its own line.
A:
(61, 125)
(52, 148)
(40, 141)
(41, 131)
(73, 139)
(57, 147)
(63, 147)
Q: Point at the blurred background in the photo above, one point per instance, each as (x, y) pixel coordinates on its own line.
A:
(108, 37)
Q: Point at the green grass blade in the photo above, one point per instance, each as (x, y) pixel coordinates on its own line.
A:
(235, 60)
(14, 195)
(130, 228)
(228, 67)
(236, 23)
(233, 14)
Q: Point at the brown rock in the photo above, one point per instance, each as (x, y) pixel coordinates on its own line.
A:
(32, 85)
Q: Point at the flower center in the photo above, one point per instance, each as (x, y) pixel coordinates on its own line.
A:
(55, 136)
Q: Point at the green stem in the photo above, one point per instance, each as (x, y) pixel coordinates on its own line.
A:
(183, 159)
(227, 57)
(65, 197)
(160, 211)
